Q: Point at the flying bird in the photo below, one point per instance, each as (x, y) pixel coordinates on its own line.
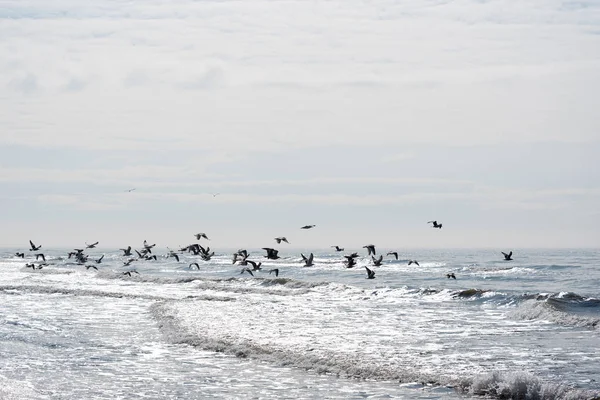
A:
(271, 253)
(34, 247)
(281, 239)
(507, 257)
(377, 261)
(130, 190)
(255, 266)
(22, 255)
(393, 253)
(308, 226)
(370, 273)
(371, 249)
(194, 264)
(128, 273)
(91, 246)
(38, 255)
(308, 261)
(413, 262)
(338, 248)
(127, 251)
(91, 266)
(248, 270)
(435, 224)
(98, 261)
(201, 235)
(450, 275)
(276, 270)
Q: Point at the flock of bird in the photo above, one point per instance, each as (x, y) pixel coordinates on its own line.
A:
(240, 257)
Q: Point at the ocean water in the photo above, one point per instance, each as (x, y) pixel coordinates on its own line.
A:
(523, 329)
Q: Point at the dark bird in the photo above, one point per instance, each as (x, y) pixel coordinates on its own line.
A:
(91, 266)
(148, 246)
(201, 235)
(98, 261)
(377, 261)
(337, 248)
(34, 247)
(127, 251)
(308, 261)
(173, 254)
(435, 224)
(37, 256)
(91, 246)
(22, 255)
(271, 253)
(370, 273)
(393, 253)
(128, 262)
(248, 270)
(194, 263)
(371, 249)
(216, 194)
(128, 273)
(255, 266)
(130, 190)
(413, 262)
(32, 265)
(148, 258)
(281, 239)
(450, 275)
(350, 262)
(507, 257)
(308, 226)
(276, 270)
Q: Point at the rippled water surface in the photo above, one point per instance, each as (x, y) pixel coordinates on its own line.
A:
(527, 327)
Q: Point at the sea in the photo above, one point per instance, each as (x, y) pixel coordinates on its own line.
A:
(522, 329)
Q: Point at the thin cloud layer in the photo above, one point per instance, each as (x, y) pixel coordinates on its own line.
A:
(478, 112)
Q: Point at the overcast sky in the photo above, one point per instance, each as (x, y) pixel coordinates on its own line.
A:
(366, 118)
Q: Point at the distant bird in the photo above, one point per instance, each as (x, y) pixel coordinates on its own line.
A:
(127, 251)
(371, 249)
(435, 224)
(37, 256)
(276, 270)
(248, 270)
(338, 248)
(130, 190)
(91, 246)
(370, 273)
(350, 261)
(308, 261)
(216, 194)
(22, 255)
(91, 266)
(308, 226)
(32, 265)
(377, 261)
(201, 235)
(255, 266)
(507, 257)
(271, 253)
(34, 247)
(98, 261)
(413, 262)
(128, 262)
(128, 273)
(148, 258)
(393, 253)
(194, 263)
(173, 254)
(450, 275)
(148, 246)
(281, 239)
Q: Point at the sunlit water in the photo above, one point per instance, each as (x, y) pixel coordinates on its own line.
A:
(526, 328)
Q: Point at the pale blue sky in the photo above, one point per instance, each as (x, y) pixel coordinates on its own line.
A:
(366, 119)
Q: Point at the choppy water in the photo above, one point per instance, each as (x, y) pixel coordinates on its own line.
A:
(527, 328)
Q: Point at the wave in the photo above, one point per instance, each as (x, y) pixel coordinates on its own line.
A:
(16, 390)
(499, 385)
(17, 289)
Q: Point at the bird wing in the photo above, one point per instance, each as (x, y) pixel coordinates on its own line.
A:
(310, 258)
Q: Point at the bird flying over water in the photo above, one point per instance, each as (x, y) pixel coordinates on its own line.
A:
(281, 239)
(201, 235)
(371, 249)
(393, 253)
(413, 262)
(308, 226)
(34, 247)
(338, 248)
(248, 270)
(370, 273)
(91, 246)
(308, 261)
(276, 270)
(194, 264)
(271, 253)
(507, 257)
(98, 261)
(377, 261)
(22, 255)
(450, 275)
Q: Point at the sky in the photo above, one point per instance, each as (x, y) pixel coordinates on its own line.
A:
(365, 118)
